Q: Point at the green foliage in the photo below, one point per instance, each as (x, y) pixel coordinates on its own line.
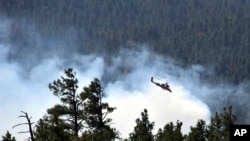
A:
(96, 112)
(51, 128)
(199, 132)
(170, 132)
(104, 134)
(65, 88)
(8, 137)
(86, 109)
(218, 130)
(143, 129)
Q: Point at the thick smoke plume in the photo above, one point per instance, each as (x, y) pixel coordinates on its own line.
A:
(29, 62)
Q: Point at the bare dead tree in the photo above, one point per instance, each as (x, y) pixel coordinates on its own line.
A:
(29, 123)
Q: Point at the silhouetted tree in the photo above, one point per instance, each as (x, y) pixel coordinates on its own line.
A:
(29, 123)
(96, 112)
(52, 128)
(218, 130)
(170, 132)
(71, 108)
(143, 129)
(8, 137)
(199, 132)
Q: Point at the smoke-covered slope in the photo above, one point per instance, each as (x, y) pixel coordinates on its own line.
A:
(212, 33)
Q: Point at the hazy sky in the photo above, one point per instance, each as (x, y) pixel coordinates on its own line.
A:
(130, 93)
(126, 79)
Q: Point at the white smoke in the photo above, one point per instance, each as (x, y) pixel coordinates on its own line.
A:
(125, 76)
(134, 92)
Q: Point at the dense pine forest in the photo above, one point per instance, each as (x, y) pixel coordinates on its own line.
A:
(212, 33)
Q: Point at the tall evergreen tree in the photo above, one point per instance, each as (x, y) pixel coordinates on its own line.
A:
(8, 137)
(52, 128)
(199, 132)
(71, 108)
(170, 132)
(96, 112)
(143, 129)
(218, 130)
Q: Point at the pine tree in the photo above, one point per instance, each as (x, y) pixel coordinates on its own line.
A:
(143, 129)
(8, 137)
(218, 130)
(71, 108)
(51, 128)
(199, 132)
(170, 132)
(96, 112)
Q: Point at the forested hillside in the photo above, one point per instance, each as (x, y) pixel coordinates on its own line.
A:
(213, 33)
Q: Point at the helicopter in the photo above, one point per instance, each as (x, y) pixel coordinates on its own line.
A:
(164, 86)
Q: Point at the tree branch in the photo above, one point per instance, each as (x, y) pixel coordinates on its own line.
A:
(28, 122)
